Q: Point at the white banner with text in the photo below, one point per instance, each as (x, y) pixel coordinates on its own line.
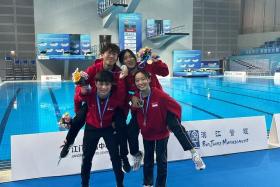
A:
(36, 155)
(274, 133)
(50, 78)
(235, 74)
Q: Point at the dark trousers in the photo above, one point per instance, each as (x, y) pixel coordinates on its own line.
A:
(174, 126)
(76, 124)
(132, 135)
(127, 133)
(121, 128)
(79, 120)
(160, 146)
(179, 131)
(90, 142)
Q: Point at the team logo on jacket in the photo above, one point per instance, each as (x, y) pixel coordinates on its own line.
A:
(110, 108)
(194, 136)
(155, 104)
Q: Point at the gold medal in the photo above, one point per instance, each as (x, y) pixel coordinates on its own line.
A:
(141, 103)
(149, 61)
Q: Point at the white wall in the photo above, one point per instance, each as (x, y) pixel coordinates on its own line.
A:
(256, 39)
(76, 16)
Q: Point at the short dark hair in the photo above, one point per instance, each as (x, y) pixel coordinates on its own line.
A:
(111, 48)
(145, 73)
(122, 53)
(104, 76)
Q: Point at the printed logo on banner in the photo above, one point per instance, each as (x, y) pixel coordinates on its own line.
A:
(220, 138)
(77, 150)
(224, 138)
(194, 136)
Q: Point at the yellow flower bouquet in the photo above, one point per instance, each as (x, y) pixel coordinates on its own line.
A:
(79, 77)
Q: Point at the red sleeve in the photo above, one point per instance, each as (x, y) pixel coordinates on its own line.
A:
(78, 99)
(172, 105)
(158, 68)
(91, 71)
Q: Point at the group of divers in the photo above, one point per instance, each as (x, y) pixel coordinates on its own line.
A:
(105, 94)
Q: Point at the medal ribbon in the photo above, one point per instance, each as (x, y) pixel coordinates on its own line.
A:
(99, 108)
(145, 112)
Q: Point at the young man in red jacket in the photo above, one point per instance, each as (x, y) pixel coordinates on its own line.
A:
(159, 114)
(108, 62)
(158, 67)
(102, 102)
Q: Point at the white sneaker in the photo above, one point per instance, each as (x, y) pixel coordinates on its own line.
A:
(199, 164)
(137, 160)
(147, 185)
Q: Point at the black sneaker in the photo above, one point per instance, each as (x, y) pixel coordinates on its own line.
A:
(125, 165)
(65, 150)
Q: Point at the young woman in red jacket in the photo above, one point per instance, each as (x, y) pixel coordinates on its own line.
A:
(128, 58)
(102, 103)
(158, 115)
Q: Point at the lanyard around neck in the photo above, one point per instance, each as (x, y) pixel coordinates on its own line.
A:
(145, 111)
(99, 108)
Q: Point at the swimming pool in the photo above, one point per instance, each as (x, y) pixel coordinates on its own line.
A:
(31, 107)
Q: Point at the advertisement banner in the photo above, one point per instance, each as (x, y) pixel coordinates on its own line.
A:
(151, 28)
(36, 155)
(166, 26)
(277, 75)
(50, 78)
(157, 27)
(85, 42)
(222, 136)
(235, 74)
(52, 44)
(210, 64)
(63, 46)
(186, 59)
(274, 133)
(104, 40)
(188, 63)
(277, 78)
(130, 31)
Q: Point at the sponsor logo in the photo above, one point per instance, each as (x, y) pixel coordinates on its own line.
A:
(77, 150)
(154, 104)
(194, 136)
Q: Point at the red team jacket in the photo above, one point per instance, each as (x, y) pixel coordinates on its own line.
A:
(156, 126)
(93, 118)
(92, 71)
(156, 68)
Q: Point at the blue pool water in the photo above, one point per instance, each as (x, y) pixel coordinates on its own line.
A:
(35, 107)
